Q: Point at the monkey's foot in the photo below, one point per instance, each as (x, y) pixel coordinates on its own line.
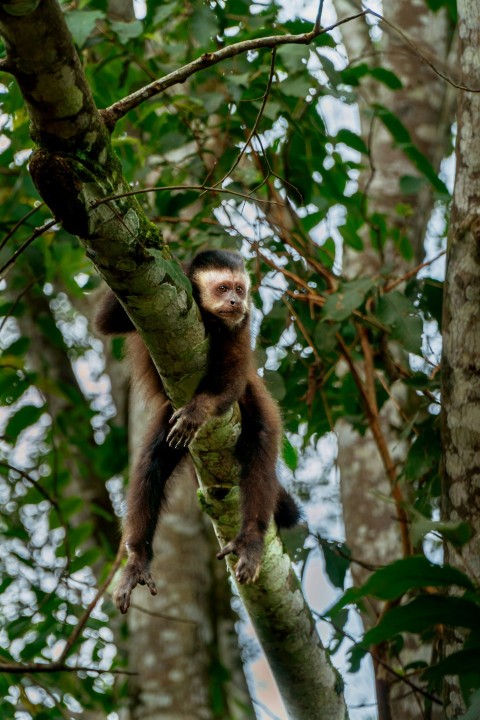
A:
(135, 573)
(185, 426)
(249, 551)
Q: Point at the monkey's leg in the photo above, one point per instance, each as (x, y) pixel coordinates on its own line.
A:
(146, 497)
(257, 453)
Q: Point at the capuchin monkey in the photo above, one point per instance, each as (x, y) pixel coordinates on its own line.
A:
(221, 288)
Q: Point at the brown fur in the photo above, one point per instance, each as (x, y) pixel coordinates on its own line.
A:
(221, 289)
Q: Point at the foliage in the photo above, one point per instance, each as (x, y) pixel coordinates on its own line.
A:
(299, 207)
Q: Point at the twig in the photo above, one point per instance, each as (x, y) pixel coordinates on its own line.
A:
(420, 54)
(75, 634)
(303, 330)
(39, 231)
(318, 19)
(199, 188)
(256, 123)
(22, 669)
(15, 303)
(54, 503)
(375, 427)
(122, 107)
(412, 273)
(401, 676)
(19, 223)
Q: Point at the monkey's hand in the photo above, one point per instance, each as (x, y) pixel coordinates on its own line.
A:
(249, 551)
(135, 573)
(186, 422)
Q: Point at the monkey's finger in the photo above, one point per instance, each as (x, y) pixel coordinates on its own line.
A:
(151, 584)
(229, 548)
(172, 435)
(175, 416)
(122, 600)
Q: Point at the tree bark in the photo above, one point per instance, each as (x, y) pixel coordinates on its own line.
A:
(461, 327)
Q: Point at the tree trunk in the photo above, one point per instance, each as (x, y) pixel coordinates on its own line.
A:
(425, 107)
(461, 326)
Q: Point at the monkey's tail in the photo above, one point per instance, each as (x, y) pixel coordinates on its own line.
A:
(287, 512)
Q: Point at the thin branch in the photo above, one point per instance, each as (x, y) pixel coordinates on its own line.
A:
(413, 272)
(302, 329)
(119, 109)
(27, 668)
(318, 19)
(199, 188)
(381, 443)
(257, 120)
(400, 675)
(15, 303)
(14, 229)
(44, 493)
(38, 231)
(75, 634)
(420, 54)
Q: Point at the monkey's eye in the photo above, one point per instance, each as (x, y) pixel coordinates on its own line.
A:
(222, 288)
(239, 290)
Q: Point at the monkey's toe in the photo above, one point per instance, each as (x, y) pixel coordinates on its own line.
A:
(132, 576)
(249, 553)
(247, 570)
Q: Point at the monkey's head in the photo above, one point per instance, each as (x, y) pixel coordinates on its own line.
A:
(221, 286)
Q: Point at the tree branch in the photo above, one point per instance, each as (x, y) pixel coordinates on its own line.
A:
(119, 109)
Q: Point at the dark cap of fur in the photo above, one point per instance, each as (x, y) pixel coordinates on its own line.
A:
(216, 260)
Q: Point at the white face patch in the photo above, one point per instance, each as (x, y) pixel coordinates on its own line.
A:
(224, 293)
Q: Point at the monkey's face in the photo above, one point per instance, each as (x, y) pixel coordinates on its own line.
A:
(224, 294)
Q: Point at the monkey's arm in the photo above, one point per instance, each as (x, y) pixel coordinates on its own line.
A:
(212, 399)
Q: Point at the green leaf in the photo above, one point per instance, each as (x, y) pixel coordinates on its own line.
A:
(399, 577)
(337, 561)
(457, 532)
(463, 662)
(298, 87)
(423, 613)
(348, 298)
(25, 417)
(127, 30)
(398, 312)
(411, 184)
(325, 338)
(289, 454)
(423, 456)
(473, 712)
(81, 24)
(401, 135)
(164, 12)
(387, 77)
(204, 26)
(275, 384)
(352, 140)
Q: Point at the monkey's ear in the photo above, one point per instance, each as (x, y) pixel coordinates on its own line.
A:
(111, 318)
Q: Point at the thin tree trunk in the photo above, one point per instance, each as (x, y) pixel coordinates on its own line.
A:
(461, 327)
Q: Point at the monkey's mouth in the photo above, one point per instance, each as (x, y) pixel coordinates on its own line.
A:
(231, 311)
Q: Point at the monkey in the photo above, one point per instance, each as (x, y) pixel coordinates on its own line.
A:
(221, 289)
